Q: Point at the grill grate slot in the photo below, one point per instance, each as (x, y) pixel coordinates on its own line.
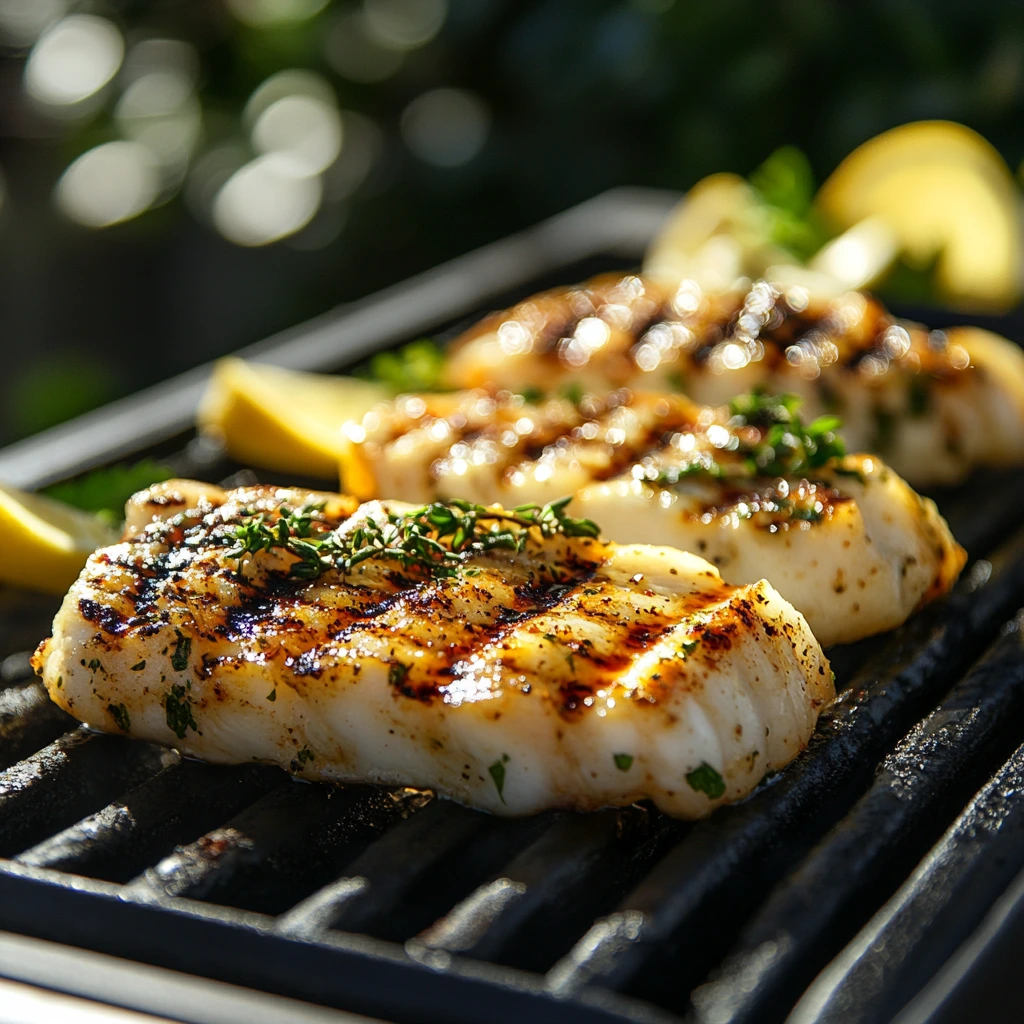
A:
(28, 720)
(943, 901)
(386, 874)
(532, 913)
(73, 776)
(919, 787)
(120, 841)
(277, 851)
(727, 861)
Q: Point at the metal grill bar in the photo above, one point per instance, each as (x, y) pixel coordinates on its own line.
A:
(931, 915)
(128, 835)
(275, 852)
(67, 780)
(28, 720)
(939, 764)
(731, 851)
(386, 873)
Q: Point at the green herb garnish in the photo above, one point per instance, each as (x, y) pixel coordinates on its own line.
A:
(272, 696)
(139, 666)
(434, 540)
(119, 713)
(704, 779)
(623, 761)
(497, 773)
(105, 491)
(417, 366)
(786, 447)
(181, 652)
(397, 673)
(532, 394)
(179, 711)
(305, 754)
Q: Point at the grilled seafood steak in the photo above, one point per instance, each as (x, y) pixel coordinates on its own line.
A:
(751, 488)
(510, 660)
(933, 404)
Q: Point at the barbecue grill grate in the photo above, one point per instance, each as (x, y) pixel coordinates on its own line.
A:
(398, 905)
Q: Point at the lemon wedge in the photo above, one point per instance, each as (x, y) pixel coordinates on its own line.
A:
(282, 419)
(946, 194)
(44, 543)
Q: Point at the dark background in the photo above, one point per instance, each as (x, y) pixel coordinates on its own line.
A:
(565, 98)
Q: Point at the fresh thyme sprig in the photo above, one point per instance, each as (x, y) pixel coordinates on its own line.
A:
(784, 445)
(432, 540)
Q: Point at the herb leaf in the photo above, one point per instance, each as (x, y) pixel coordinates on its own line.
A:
(181, 652)
(705, 779)
(623, 761)
(497, 773)
(417, 366)
(119, 713)
(178, 710)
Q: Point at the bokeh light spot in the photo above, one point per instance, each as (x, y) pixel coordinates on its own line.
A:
(446, 127)
(404, 24)
(109, 184)
(302, 129)
(265, 201)
(73, 60)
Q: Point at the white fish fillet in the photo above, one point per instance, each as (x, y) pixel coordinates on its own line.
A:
(573, 673)
(848, 543)
(934, 404)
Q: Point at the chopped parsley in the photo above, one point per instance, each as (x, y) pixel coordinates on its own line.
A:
(272, 696)
(417, 366)
(787, 446)
(573, 392)
(179, 711)
(94, 664)
(139, 665)
(181, 652)
(119, 713)
(704, 779)
(623, 761)
(532, 394)
(397, 673)
(305, 754)
(497, 773)
(689, 646)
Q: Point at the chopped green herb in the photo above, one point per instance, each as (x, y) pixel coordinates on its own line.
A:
(417, 366)
(855, 473)
(704, 779)
(272, 696)
(689, 646)
(497, 773)
(139, 666)
(181, 652)
(551, 638)
(785, 185)
(305, 754)
(623, 761)
(94, 664)
(532, 394)
(885, 421)
(179, 711)
(676, 381)
(573, 392)
(919, 396)
(119, 713)
(397, 673)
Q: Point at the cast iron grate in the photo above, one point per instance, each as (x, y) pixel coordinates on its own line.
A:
(404, 907)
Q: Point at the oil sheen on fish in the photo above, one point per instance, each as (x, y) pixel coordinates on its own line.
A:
(933, 404)
(561, 671)
(751, 489)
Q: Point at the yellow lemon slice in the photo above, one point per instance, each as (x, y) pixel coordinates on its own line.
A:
(945, 193)
(44, 543)
(282, 419)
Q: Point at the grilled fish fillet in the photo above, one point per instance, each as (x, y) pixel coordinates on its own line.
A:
(847, 542)
(934, 404)
(571, 673)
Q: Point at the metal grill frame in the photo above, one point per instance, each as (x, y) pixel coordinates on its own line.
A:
(876, 746)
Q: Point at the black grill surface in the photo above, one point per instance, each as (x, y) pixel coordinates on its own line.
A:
(848, 887)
